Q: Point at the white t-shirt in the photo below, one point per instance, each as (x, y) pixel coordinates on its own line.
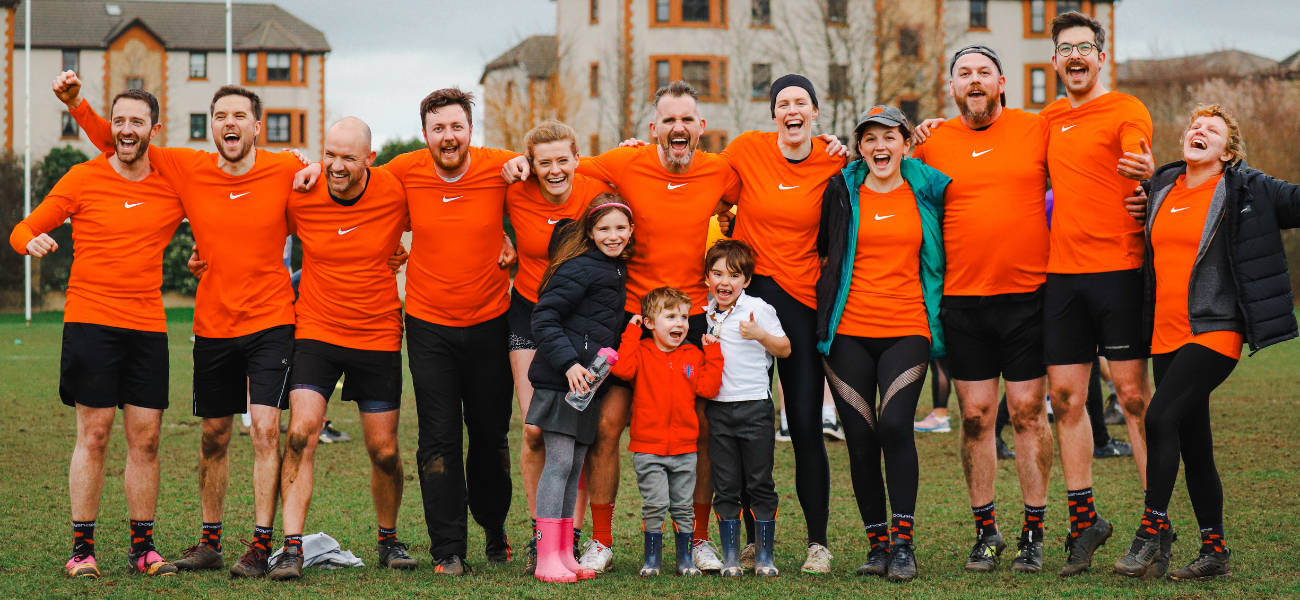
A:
(745, 362)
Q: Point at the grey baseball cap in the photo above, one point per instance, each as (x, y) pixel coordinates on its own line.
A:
(884, 115)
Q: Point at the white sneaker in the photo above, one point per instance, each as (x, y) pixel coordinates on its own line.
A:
(747, 557)
(933, 423)
(597, 557)
(706, 556)
(831, 428)
(819, 560)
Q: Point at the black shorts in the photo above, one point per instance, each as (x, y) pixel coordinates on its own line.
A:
(520, 318)
(371, 378)
(1091, 314)
(107, 367)
(696, 326)
(253, 366)
(992, 336)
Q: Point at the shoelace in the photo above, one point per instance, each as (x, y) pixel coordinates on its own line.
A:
(250, 558)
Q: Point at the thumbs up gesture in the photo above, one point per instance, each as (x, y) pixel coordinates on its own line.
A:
(750, 330)
(1138, 167)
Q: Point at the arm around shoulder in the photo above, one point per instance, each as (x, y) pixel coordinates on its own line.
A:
(1286, 202)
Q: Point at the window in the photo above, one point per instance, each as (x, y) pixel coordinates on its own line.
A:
(593, 81)
(696, 73)
(68, 126)
(1037, 87)
(979, 14)
(72, 60)
(135, 83)
(250, 67)
(302, 128)
(662, 10)
(761, 76)
(713, 141)
(277, 128)
(760, 13)
(593, 144)
(198, 65)
(663, 72)
(1060, 86)
(1037, 16)
(688, 13)
(1065, 6)
(302, 68)
(909, 42)
(595, 11)
(277, 66)
(695, 11)
(838, 78)
(707, 74)
(837, 11)
(911, 109)
(198, 126)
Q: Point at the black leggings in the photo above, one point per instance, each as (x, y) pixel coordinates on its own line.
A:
(1178, 421)
(1096, 409)
(857, 367)
(940, 383)
(802, 382)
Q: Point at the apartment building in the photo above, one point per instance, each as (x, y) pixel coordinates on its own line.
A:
(611, 55)
(174, 50)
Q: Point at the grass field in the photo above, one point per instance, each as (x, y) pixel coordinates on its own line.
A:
(1255, 425)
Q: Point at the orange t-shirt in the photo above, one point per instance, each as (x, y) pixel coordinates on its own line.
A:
(453, 278)
(534, 219)
(348, 295)
(239, 225)
(672, 214)
(1175, 241)
(994, 220)
(1091, 230)
(885, 298)
(120, 229)
(780, 208)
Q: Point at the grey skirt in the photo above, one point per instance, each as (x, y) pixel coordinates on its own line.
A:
(549, 412)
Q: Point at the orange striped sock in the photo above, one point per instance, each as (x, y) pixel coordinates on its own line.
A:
(141, 536)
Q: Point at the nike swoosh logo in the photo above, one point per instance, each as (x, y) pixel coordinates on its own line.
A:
(782, 186)
(673, 187)
(343, 231)
(446, 199)
(129, 205)
(234, 195)
(978, 154)
(1065, 129)
(880, 218)
(1174, 210)
(550, 222)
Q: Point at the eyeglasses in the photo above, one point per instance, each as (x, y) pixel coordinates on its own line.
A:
(1085, 49)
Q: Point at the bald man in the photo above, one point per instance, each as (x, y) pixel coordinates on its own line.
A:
(349, 325)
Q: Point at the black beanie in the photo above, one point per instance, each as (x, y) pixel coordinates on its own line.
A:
(792, 80)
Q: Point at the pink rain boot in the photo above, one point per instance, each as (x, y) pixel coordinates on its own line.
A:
(551, 534)
(566, 554)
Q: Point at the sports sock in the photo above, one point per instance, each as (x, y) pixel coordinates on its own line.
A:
(602, 523)
(262, 538)
(210, 536)
(1153, 522)
(293, 542)
(1083, 514)
(986, 519)
(828, 412)
(1033, 526)
(1212, 539)
(141, 536)
(901, 528)
(83, 538)
(878, 535)
(701, 524)
(386, 535)
(784, 423)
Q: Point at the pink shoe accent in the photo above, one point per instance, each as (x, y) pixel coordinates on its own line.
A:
(550, 545)
(82, 567)
(149, 558)
(566, 554)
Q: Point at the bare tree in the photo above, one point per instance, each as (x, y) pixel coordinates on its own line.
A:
(518, 101)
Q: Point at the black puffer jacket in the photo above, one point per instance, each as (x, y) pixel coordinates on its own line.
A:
(579, 312)
(1240, 280)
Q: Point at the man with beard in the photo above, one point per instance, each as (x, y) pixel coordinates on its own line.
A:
(236, 200)
(115, 331)
(349, 325)
(995, 238)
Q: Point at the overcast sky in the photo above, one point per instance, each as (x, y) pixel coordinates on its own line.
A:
(388, 54)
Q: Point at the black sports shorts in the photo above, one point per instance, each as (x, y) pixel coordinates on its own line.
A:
(253, 366)
(520, 318)
(992, 336)
(1091, 314)
(107, 367)
(371, 378)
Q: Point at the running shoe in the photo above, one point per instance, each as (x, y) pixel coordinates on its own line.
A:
(902, 563)
(706, 556)
(82, 566)
(597, 557)
(877, 562)
(1080, 549)
(530, 556)
(1146, 558)
(253, 564)
(818, 561)
(393, 555)
(1113, 449)
(1207, 566)
(330, 435)
(200, 558)
(150, 563)
(932, 423)
(287, 566)
(1114, 415)
(1029, 556)
(747, 555)
(986, 553)
(1004, 452)
(497, 546)
(783, 433)
(452, 565)
(831, 428)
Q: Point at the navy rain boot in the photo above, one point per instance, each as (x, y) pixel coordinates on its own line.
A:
(763, 566)
(654, 549)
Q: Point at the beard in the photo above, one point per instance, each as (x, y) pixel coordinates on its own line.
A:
(245, 146)
(338, 187)
(1089, 78)
(683, 162)
(141, 150)
(462, 154)
(983, 115)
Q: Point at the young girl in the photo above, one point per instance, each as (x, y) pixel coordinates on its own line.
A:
(579, 311)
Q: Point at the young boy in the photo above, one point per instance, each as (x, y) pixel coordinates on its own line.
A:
(740, 417)
(666, 377)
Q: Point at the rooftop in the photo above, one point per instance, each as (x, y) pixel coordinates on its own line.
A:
(1224, 63)
(536, 55)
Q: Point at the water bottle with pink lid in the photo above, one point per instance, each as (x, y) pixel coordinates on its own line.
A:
(605, 358)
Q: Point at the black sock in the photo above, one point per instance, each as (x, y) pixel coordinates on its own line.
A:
(262, 538)
(387, 536)
(878, 535)
(210, 536)
(577, 537)
(1212, 540)
(901, 528)
(141, 536)
(1153, 522)
(1083, 514)
(986, 519)
(1033, 528)
(293, 543)
(83, 538)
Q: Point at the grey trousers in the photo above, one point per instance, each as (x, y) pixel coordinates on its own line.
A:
(740, 457)
(667, 485)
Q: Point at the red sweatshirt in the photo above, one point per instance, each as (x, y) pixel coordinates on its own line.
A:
(664, 387)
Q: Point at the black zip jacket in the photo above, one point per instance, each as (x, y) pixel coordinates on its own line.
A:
(579, 312)
(1240, 280)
